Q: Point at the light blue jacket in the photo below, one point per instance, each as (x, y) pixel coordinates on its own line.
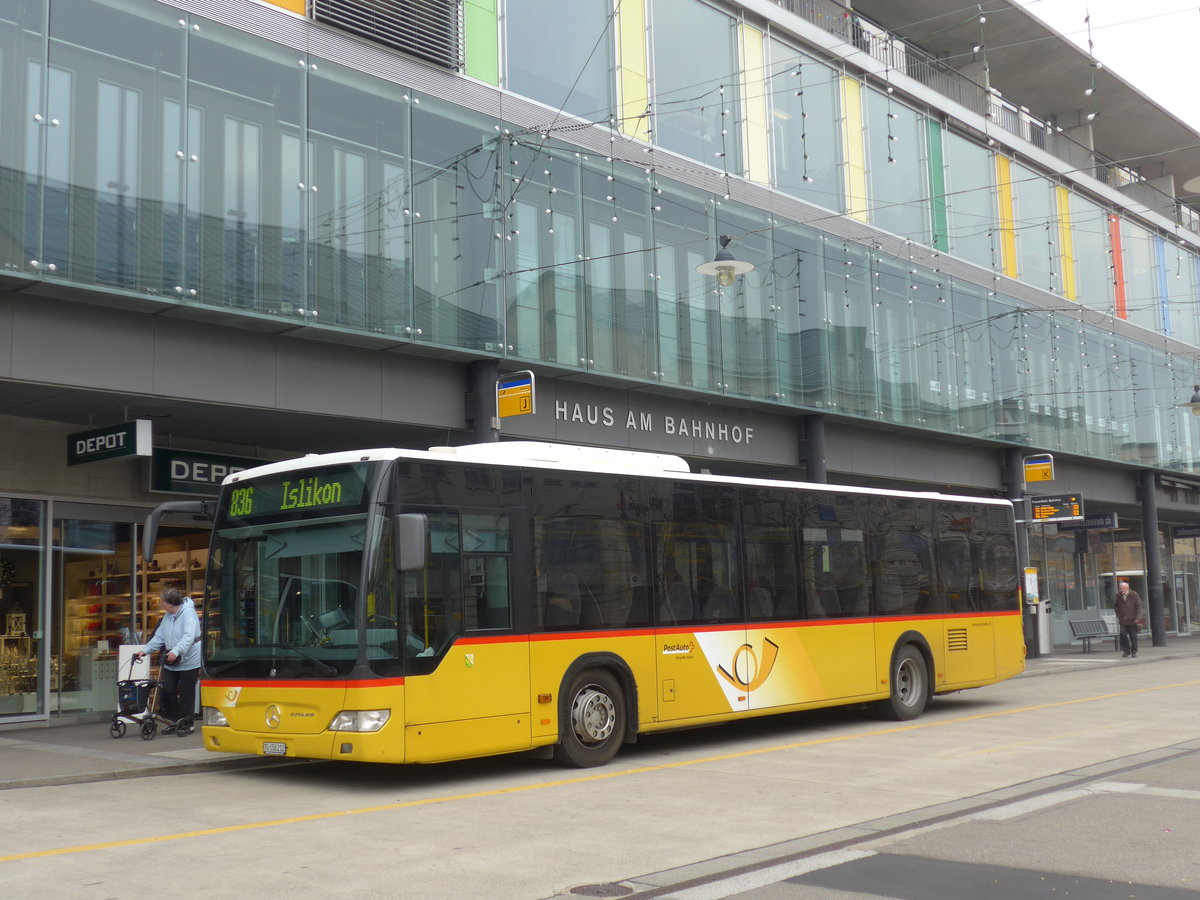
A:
(179, 631)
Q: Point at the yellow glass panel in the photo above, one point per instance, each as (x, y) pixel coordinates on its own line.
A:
(855, 173)
(633, 93)
(1004, 200)
(754, 133)
(1066, 246)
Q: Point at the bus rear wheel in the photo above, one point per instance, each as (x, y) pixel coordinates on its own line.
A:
(910, 686)
(591, 731)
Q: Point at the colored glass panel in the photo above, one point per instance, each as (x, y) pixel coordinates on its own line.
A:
(1066, 245)
(754, 93)
(481, 51)
(855, 171)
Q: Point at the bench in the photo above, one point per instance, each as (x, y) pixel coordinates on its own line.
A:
(1087, 630)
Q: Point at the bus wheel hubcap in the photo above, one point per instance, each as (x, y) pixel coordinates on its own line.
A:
(593, 715)
(908, 682)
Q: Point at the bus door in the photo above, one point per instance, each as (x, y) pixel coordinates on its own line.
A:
(703, 668)
(467, 678)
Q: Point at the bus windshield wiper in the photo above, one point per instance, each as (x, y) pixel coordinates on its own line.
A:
(319, 663)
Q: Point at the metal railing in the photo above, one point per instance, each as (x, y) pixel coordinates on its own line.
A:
(903, 57)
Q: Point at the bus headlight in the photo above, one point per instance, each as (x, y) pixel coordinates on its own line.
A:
(360, 720)
(213, 716)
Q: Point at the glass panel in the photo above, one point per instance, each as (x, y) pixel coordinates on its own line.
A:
(800, 296)
(1122, 402)
(620, 300)
(1093, 261)
(1097, 390)
(21, 66)
(1036, 229)
(545, 292)
(1142, 283)
(899, 197)
(972, 346)
(747, 319)
(57, 208)
(115, 88)
(456, 227)
(1183, 287)
(695, 97)
(572, 71)
(244, 96)
(805, 136)
(970, 203)
(95, 600)
(852, 343)
(1039, 331)
(682, 235)
(1008, 376)
(22, 641)
(362, 209)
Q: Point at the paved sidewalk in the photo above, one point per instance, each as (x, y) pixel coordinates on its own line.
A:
(84, 751)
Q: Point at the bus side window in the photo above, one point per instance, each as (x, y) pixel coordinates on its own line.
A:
(486, 549)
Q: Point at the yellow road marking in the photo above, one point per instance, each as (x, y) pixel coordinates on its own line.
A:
(583, 779)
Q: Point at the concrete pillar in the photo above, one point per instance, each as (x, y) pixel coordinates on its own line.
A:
(481, 400)
(1147, 493)
(1012, 475)
(813, 443)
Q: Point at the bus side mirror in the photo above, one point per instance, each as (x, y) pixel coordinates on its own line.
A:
(411, 532)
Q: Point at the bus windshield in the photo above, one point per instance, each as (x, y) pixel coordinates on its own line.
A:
(285, 572)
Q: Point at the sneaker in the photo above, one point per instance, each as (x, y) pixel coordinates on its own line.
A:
(1125, 656)
(170, 729)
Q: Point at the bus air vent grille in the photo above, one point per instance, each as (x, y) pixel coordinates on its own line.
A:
(956, 639)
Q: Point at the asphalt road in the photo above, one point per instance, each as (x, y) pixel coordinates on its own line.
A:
(1084, 783)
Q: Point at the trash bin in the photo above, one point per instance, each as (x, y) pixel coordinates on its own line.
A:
(1043, 626)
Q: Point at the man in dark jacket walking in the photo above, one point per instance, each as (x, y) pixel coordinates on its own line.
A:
(1128, 606)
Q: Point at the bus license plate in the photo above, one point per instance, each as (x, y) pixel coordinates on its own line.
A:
(274, 748)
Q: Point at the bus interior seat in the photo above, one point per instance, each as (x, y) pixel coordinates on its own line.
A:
(760, 603)
(721, 605)
(677, 604)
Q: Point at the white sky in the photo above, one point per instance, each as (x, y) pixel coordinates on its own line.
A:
(1152, 44)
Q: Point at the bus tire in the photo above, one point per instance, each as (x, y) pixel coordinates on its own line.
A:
(592, 725)
(909, 686)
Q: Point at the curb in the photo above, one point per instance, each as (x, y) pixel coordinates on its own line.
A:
(188, 768)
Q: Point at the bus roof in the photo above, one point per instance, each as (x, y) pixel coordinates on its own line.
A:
(572, 457)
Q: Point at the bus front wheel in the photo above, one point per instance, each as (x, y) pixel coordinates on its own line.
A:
(910, 686)
(591, 731)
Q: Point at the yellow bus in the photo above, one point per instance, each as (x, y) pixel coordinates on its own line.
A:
(414, 607)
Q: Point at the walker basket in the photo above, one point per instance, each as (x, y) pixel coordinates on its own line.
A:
(132, 697)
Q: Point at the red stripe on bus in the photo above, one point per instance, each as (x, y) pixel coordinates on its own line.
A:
(323, 684)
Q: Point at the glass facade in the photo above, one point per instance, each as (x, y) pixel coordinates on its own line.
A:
(187, 162)
(22, 645)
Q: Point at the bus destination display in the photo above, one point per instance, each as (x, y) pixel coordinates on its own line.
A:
(291, 495)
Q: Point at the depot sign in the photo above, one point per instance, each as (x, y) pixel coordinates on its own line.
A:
(189, 472)
(115, 442)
